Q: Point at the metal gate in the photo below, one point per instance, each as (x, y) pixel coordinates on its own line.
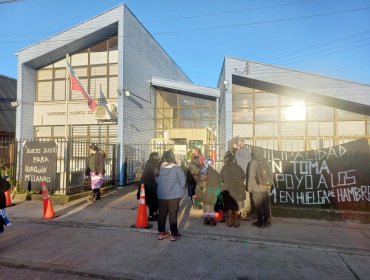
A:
(70, 167)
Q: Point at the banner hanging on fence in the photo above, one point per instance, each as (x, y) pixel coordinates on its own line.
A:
(39, 164)
(338, 175)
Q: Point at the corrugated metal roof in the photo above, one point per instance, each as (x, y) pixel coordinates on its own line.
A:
(8, 94)
(185, 87)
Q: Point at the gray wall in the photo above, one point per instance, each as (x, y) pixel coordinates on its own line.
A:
(142, 58)
(26, 89)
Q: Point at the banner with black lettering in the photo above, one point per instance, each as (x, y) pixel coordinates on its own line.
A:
(39, 164)
(338, 176)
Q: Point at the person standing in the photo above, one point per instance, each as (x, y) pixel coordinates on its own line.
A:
(148, 178)
(232, 176)
(211, 183)
(171, 184)
(243, 157)
(234, 149)
(193, 176)
(96, 164)
(4, 187)
(259, 182)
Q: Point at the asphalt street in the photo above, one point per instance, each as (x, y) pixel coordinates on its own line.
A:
(96, 241)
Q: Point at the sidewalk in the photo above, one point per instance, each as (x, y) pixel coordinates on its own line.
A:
(118, 209)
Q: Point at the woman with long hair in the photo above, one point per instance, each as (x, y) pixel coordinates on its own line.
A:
(171, 184)
(148, 178)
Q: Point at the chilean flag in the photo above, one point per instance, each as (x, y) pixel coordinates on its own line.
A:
(76, 85)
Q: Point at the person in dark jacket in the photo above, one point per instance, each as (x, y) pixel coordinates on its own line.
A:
(193, 181)
(151, 170)
(4, 187)
(233, 176)
(211, 184)
(260, 195)
(171, 184)
(96, 165)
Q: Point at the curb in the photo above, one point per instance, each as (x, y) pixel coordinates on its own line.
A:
(362, 217)
(59, 198)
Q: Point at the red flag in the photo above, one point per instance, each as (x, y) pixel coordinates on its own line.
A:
(76, 85)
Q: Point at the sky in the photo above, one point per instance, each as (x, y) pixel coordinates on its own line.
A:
(324, 37)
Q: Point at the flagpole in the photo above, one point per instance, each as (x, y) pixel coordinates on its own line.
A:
(67, 95)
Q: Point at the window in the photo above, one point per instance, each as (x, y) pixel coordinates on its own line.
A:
(295, 112)
(288, 101)
(351, 128)
(345, 115)
(245, 130)
(267, 114)
(267, 129)
(243, 101)
(98, 53)
(44, 91)
(45, 74)
(242, 115)
(183, 111)
(293, 128)
(264, 99)
(59, 131)
(43, 131)
(320, 128)
(59, 90)
(320, 113)
(80, 58)
(92, 69)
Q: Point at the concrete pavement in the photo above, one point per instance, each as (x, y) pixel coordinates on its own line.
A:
(96, 239)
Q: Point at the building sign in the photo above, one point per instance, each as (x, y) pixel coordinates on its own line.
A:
(338, 176)
(39, 164)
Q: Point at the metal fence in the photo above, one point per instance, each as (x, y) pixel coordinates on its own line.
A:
(138, 153)
(71, 163)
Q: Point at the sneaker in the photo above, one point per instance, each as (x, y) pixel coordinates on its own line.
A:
(258, 224)
(176, 237)
(163, 235)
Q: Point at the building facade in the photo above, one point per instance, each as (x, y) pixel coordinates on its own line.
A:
(111, 54)
(143, 96)
(288, 110)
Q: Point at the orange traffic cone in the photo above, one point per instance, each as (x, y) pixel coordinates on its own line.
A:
(142, 218)
(48, 206)
(221, 216)
(8, 200)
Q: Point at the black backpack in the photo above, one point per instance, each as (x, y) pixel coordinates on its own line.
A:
(264, 176)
